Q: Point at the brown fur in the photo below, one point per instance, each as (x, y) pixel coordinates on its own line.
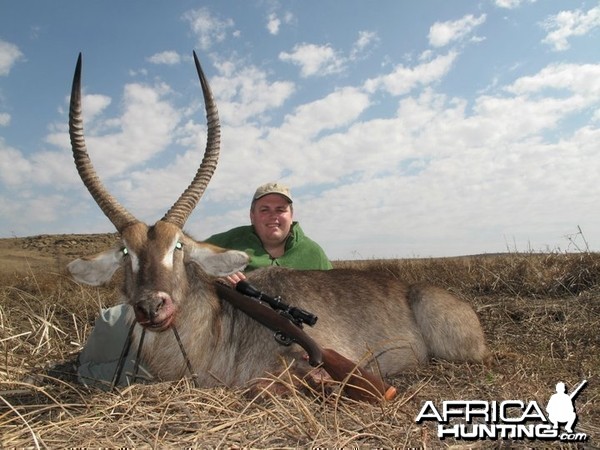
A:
(365, 316)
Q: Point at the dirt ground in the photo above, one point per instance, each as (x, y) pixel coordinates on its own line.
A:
(540, 313)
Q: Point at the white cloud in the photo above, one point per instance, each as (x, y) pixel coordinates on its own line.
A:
(42, 168)
(314, 60)
(9, 56)
(15, 169)
(364, 41)
(289, 150)
(169, 57)
(333, 111)
(582, 79)
(208, 28)
(4, 119)
(511, 4)
(274, 21)
(443, 33)
(273, 24)
(403, 79)
(567, 24)
(427, 55)
(149, 200)
(144, 129)
(93, 105)
(321, 60)
(244, 92)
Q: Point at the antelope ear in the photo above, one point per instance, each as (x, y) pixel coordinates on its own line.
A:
(217, 261)
(97, 269)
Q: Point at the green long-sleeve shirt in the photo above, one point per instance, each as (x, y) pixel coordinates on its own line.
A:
(301, 252)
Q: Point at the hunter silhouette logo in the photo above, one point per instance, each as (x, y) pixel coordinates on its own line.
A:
(561, 408)
(508, 419)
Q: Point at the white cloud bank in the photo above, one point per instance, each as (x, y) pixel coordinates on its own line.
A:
(444, 33)
(567, 24)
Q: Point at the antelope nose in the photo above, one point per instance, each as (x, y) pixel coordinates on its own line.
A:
(151, 306)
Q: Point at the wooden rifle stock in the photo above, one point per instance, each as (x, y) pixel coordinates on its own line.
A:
(359, 383)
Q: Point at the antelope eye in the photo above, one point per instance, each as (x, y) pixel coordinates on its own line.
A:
(124, 251)
(179, 246)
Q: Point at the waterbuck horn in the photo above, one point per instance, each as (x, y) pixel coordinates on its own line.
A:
(116, 213)
(183, 207)
(111, 208)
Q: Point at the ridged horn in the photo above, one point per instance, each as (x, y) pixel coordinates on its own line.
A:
(111, 208)
(183, 207)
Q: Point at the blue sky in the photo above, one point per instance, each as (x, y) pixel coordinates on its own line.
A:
(430, 128)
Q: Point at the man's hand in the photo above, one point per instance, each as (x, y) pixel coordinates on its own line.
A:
(235, 278)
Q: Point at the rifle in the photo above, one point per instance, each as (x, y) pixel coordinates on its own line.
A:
(573, 394)
(360, 384)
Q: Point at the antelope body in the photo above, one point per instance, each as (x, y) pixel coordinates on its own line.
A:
(169, 281)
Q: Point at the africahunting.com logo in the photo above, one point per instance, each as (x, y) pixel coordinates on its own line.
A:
(509, 419)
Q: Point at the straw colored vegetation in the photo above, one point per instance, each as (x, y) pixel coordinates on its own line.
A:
(540, 312)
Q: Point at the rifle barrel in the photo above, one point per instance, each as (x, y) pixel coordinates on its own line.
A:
(573, 394)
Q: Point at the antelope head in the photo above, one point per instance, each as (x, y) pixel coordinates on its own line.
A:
(155, 258)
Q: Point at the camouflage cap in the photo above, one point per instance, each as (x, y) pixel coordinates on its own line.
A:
(272, 188)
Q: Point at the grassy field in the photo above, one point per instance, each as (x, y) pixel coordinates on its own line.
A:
(540, 312)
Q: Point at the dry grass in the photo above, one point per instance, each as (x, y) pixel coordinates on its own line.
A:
(541, 313)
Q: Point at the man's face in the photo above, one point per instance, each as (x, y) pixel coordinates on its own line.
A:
(272, 219)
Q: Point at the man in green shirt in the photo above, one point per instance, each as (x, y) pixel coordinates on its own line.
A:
(273, 238)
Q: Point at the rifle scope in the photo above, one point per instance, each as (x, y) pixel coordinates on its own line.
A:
(298, 315)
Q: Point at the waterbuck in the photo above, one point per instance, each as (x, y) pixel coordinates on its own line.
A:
(169, 281)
